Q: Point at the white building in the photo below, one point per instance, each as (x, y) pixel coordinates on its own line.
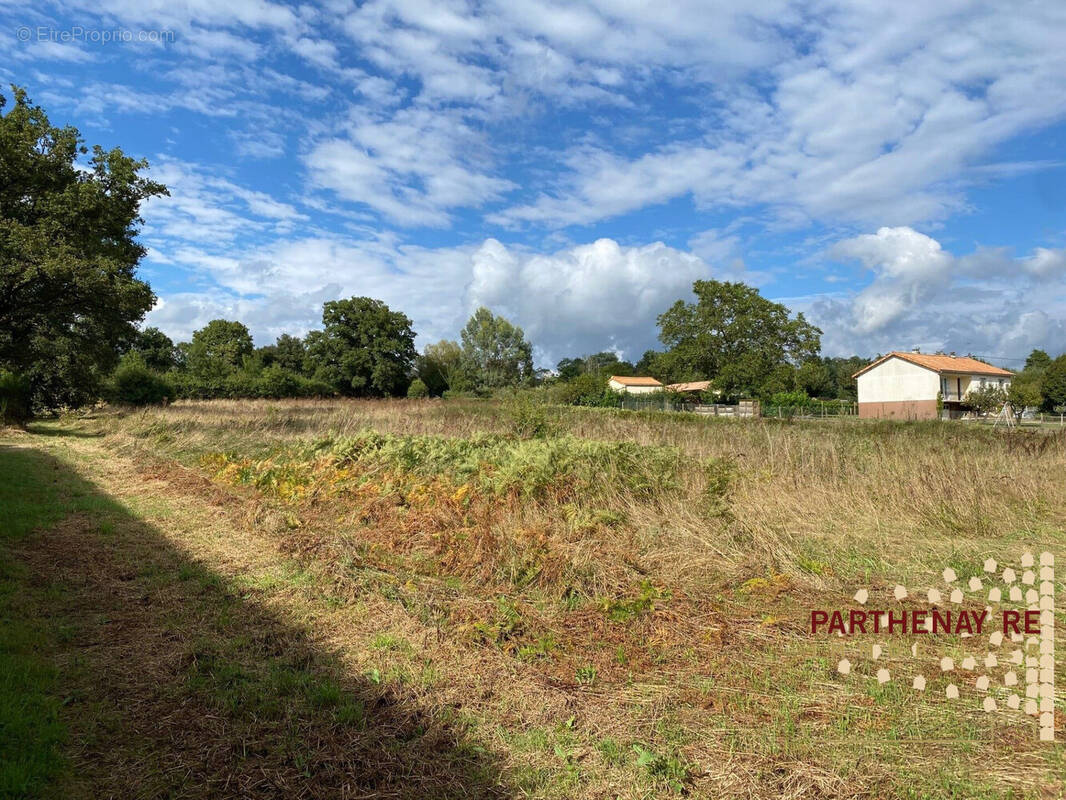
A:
(906, 385)
(624, 384)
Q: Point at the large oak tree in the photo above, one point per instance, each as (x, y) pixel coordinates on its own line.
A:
(364, 348)
(733, 336)
(69, 295)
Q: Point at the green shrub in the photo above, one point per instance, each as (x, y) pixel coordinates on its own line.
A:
(135, 384)
(529, 419)
(418, 389)
(14, 398)
(794, 399)
(585, 390)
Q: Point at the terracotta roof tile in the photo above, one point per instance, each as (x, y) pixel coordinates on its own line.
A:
(630, 380)
(691, 386)
(942, 363)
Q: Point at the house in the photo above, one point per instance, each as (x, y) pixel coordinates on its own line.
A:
(907, 385)
(625, 384)
(692, 387)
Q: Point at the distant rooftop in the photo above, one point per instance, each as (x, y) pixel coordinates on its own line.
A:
(631, 380)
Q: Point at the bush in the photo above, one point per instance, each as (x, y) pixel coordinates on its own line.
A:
(14, 398)
(135, 384)
(798, 398)
(418, 389)
(585, 390)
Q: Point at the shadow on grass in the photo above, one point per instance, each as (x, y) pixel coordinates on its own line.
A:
(53, 430)
(165, 681)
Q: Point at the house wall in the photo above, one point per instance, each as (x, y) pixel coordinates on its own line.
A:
(901, 409)
(897, 381)
(969, 383)
(623, 389)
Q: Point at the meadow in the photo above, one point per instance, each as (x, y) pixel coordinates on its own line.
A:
(504, 599)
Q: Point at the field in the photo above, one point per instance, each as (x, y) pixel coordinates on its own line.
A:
(500, 599)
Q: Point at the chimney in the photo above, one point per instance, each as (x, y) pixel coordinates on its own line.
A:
(952, 354)
(916, 350)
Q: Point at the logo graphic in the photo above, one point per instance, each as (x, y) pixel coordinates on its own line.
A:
(1008, 628)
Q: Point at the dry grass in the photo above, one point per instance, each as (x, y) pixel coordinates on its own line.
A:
(617, 625)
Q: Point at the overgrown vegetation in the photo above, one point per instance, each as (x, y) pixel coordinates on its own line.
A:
(614, 599)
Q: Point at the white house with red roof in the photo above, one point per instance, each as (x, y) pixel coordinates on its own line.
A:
(631, 384)
(907, 385)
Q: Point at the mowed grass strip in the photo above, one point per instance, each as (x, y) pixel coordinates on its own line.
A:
(30, 729)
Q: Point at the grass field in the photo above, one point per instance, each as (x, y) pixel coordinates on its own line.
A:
(499, 599)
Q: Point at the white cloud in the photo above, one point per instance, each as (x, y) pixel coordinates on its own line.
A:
(582, 299)
(413, 166)
(987, 302)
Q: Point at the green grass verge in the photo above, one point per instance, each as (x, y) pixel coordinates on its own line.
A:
(30, 730)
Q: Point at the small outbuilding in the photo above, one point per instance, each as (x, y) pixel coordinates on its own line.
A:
(691, 387)
(626, 384)
(907, 385)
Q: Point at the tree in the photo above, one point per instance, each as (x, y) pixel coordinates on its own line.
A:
(1053, 388)
(495, 352)
(364, 348)
(816, 379)
(1038, 360)
(570, 368)
(1025, 390)
(287, 353)
(651, 364)
(69, 297)
(218, 350)
(441, 368)
(606, 363)
(156, 349)
(987, 399)
(734, 336)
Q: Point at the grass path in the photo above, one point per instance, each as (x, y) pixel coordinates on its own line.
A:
(161, 640)
(157, 622)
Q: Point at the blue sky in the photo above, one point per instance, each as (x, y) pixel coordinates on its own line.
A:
(896, 171)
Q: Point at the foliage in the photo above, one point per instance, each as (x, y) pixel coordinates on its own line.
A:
(495, 352)
(270, 382)
(529, 419)
(364, 349)
(1025, 389)
(440, 367)
(816, 379)
(69, 297)
(1038, 360)
(136, 384)
(15, 396)
(1053, 388)
(218, 350)
(733, 335)
(585, 390)
(792, 399)
(288, 352)
(532, 468)
(156, 349)
(986, 399)
(417, 389)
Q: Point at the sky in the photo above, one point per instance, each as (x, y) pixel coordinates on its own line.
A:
(895, 171)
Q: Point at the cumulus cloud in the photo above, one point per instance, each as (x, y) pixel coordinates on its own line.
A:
(988, 302)
(412, 166)
(581, 299)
